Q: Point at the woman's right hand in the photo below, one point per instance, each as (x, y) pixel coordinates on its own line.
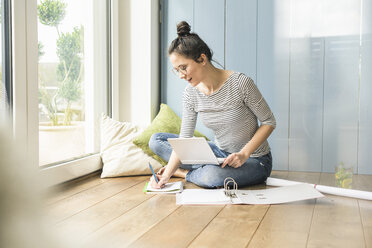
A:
(161, 178)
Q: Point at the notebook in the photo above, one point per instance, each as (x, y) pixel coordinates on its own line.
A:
(169, 188)
(231, 195)
(194, 150)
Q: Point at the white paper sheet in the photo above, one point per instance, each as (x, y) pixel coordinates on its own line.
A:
(279, 195)
(202, 196)
(366, 195)
(169, 188)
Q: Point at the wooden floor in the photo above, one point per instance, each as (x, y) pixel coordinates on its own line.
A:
(116, 213)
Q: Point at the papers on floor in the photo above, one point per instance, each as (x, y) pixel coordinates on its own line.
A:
(278, 195)
(169, 188)
(202, 196)
(366, 195)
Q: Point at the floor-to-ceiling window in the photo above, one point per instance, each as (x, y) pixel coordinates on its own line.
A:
(72, 77)
(61, 81)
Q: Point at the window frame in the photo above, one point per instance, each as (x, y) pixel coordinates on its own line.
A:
(6, 30)
(25, 91)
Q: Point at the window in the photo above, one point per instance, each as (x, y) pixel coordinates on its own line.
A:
(5, 62)
(72, 77)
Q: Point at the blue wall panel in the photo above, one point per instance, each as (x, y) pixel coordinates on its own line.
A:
(241, 36)
(306, 104)
(341, 82)
(365, 124)
(308, 59)
(273, 71)
(306, 88)
(209, 25)
(173, 11)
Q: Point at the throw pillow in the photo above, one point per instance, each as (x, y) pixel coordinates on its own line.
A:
(119, 155)
(166, 121)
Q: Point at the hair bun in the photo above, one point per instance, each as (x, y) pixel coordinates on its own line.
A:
(183, 29)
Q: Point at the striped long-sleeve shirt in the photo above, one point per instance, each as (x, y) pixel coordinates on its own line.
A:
(232, 113)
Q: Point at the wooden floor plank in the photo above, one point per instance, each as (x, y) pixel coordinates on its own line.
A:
(366, 218)
(327, 179)
(364, 182)
(336, 221)
(67, 189)
(279, 174)
(285, 225)
(234, 226)
(127, 228)
(117, 213)
(179, 228)
(360, 182)
(306, 177)
(93, 218)
(85, 199)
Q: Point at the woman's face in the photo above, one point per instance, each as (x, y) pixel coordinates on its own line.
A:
(187, 69)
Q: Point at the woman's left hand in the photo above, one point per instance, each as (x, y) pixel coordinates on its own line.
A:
(235, 160)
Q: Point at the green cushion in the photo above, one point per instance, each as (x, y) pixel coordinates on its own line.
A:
(166, 121)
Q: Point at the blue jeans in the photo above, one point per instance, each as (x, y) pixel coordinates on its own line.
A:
(253, 171)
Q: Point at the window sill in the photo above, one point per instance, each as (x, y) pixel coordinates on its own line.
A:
(66, 171)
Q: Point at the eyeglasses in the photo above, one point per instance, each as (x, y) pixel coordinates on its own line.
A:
(181, 69)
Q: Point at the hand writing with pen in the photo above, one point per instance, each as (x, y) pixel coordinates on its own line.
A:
(157, 180)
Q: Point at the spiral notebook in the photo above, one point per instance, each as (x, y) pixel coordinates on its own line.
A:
(231, 195)
(169, 188)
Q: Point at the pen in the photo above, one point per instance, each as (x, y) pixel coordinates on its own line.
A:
(153, 173)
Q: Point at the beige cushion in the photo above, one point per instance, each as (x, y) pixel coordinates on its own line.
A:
(119, 155)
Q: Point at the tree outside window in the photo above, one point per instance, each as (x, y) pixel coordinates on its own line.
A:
(57, 104)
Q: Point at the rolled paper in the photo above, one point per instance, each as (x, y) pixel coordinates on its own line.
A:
(359, 194)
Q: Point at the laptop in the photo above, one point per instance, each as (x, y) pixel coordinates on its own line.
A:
(194, 150)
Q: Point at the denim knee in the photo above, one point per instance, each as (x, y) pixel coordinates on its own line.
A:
(154, 142)
(159, 144)
(207, 176)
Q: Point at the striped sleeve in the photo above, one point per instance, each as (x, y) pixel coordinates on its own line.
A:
(189, 116)
(254, 100)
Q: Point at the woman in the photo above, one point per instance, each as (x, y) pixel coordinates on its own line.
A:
(227, 102)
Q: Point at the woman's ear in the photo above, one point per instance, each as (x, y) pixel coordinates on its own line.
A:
(202, 59)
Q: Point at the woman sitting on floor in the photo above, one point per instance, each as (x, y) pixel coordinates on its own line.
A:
(230, 104)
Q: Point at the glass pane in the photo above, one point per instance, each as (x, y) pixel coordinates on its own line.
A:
(72, 77)
(4, 110)
(2, 84)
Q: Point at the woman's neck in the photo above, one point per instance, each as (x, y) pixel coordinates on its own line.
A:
(214, 79)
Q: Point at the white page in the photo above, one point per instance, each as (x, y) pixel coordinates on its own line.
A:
(202, 196)
(359, 194)
(169, 188)
(265, 196)
(278, 195)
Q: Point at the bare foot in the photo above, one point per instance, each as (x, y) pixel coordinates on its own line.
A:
(180, 173)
